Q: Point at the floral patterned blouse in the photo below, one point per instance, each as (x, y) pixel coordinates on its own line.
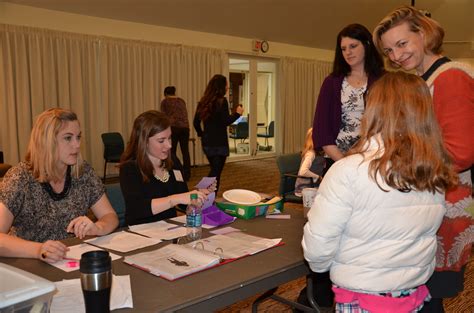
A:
(36, 216)
(352, 100)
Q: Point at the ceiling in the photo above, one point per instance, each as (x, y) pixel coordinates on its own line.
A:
(310, 23)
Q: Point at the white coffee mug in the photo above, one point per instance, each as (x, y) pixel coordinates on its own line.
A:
(308, 198)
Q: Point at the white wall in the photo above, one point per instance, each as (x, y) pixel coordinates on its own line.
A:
(56, 20)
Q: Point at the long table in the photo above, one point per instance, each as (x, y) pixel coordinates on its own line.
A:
(213, 288)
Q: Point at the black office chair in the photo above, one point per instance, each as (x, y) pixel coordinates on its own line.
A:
(288, 166)
(114, 193)
(241, 131)
(113, 148)
(3, 166)
(269, 133)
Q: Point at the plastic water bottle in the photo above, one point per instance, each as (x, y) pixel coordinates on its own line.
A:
(194, 218)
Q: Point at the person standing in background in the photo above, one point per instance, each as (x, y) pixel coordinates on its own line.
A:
(175, 108)
(413, 41)
(213, 112)
(339, 110)
(340, 105)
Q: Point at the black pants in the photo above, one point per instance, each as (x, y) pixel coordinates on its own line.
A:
(217, 163)
(445, 284)
(181, 135)
(322, 292)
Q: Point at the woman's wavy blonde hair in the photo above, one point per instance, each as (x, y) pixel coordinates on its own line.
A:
(417, 21)
(42, 153)
(308, 142)
(399, 109)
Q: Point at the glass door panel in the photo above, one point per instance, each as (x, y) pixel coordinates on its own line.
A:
(239, 70)
(252, 85)
(266, 107)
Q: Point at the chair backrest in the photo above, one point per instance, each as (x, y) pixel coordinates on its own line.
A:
(113, 146)
(271, 129)
(241, 131)
(114, 193)
(288, 164)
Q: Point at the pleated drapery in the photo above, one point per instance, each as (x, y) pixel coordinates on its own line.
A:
(106, 81)
(300, 84)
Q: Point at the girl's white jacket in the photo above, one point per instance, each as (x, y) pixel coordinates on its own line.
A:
(371, 240)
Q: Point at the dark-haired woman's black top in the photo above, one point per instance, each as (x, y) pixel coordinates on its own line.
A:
(138, 194)
(214, 136)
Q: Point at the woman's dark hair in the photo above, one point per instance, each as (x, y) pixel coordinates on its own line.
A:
(170, 91)
(213, 96)
(146, 125)
(373, 61)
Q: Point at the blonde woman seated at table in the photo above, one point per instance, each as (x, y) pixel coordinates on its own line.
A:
(311, 166)
(151, 178)
(46, 198)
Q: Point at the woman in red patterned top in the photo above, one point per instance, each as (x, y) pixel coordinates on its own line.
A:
(413, 41)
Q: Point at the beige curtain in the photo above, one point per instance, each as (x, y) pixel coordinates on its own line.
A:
(42, 69)
(132, 77)
(106, 81)
(300, 81)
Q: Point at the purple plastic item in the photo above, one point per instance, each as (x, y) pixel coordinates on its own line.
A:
(215, 217)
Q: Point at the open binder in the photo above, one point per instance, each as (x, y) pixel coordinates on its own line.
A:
(174, 261)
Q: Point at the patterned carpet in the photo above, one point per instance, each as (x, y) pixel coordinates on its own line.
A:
(262, 176)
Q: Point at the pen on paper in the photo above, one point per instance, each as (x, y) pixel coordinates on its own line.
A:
(174, 227)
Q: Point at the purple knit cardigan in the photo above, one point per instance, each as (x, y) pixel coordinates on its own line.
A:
(327, 118)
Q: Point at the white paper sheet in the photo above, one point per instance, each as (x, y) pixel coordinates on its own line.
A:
(159, 230)
(123, 241)
(69, 299)
(73, 256)
(225, 230)
(182, 219)
(179, 219)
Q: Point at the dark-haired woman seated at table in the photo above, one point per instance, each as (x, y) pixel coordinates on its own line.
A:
(151, 178)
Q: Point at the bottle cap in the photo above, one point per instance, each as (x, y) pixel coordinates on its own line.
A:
(194, 196)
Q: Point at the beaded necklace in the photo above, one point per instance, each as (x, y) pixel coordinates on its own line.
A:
(164, 178)
(63, 194)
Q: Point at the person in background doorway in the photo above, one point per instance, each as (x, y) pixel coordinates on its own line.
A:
(374, 220)
(413, 41)
(340, 105)
(213, 112)
(151, 176)
(46, 198)
(312, 166)
(175, 108)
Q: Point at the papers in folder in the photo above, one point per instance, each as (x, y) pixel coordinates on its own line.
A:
(123, 241)
(174, 261)
(159, 230)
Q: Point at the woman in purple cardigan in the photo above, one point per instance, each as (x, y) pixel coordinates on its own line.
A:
(340, 105)
(339, 111)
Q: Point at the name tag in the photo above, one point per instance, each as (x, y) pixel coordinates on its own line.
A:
(178, 175)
